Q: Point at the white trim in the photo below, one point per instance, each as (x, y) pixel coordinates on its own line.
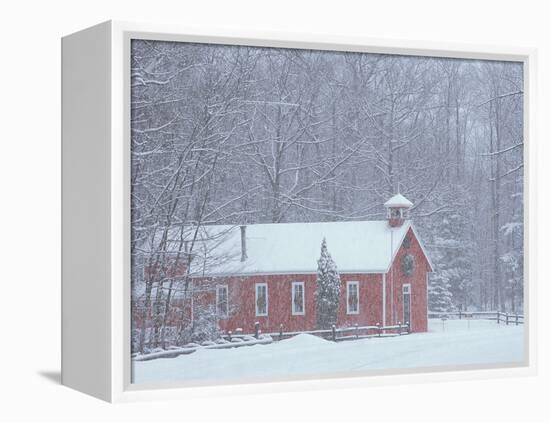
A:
(292, 272)
(394, 253)
(256, 286)
(383, 299)
(348, 284)
(293, 290)
(427, 292)
(226, 287)
(391, 272)
(422, 248)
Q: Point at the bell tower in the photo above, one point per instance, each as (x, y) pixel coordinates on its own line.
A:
(397, 210)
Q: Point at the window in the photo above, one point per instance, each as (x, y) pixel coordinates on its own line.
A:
(298, 298)
(352, 297)
(261, 299)
(222, 302)
(407, 265)
(396, 213)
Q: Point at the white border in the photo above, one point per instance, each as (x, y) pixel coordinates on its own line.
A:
(119, 292)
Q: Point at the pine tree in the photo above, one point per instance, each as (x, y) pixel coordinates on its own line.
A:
(454, 259)
(451, 251)
(512, 258)
(327, 295)
(439, 295)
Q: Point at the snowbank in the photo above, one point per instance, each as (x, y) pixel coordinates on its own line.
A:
(304, 340)
(454, 343)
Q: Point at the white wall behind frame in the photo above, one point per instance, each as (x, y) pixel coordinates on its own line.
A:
(31, 32)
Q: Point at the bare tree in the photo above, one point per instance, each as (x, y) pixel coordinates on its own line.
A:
(231, 135)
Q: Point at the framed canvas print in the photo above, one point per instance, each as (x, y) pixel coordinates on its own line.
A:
(242, 210)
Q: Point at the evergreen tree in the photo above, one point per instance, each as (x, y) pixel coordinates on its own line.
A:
(439, 295)
(327, 295)
(451, 285)
(512, 258)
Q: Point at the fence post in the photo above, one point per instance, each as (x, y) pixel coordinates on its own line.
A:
(256, 330)
(229, 333)
(517, 316)
(356, 331)
(334, 333)
(498, 318)
(506, 319)
(379, 329)
(280, 332)
(399, 329)
(460, 314)
(408, 327)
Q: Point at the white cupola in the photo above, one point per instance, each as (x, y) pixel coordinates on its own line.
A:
(397, 207)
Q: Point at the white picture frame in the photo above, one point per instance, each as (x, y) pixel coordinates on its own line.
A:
(96, 208)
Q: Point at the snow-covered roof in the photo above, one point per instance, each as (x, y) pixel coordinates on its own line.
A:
(287, 248)
(398, 200)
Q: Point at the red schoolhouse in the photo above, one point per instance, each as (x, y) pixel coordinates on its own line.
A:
(267, 273)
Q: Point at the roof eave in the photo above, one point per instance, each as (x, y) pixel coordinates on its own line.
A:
(412, 227)
(290, 272)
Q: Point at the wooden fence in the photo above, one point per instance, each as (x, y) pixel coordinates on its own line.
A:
(498, 316)
(238, 339)
(334, 334)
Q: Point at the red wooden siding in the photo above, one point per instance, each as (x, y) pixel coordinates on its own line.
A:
(370, 300)
(242, 300)
(242, 297)
(395, 280)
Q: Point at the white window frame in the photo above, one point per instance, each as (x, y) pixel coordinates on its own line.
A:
(259, 285)
(294, 312)
(348, 285)
(218, 287)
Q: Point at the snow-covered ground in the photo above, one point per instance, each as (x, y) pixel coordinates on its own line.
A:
(456, 342)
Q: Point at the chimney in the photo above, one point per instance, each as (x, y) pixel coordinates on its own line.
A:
(243, 243)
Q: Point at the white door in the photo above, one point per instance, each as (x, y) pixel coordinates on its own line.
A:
(407, 304)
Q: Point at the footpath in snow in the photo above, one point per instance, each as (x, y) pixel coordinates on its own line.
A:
(454, 342)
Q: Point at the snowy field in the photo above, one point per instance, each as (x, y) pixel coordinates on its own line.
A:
(457, 342)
